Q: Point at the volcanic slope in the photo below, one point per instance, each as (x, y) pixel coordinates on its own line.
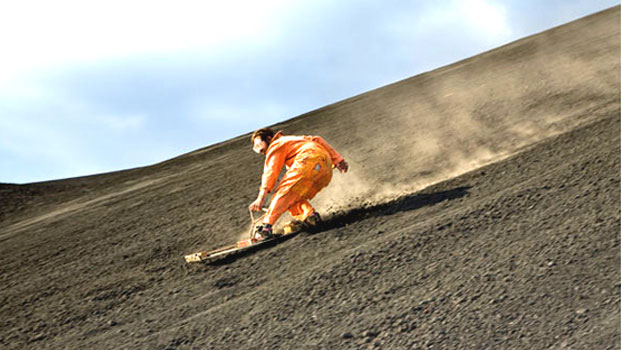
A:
(482, 211)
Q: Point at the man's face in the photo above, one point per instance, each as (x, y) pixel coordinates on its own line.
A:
(260, 146)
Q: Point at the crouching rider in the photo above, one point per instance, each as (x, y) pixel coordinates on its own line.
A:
(309, 161)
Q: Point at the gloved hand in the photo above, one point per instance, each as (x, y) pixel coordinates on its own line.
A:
(343, 166)
(257, 204)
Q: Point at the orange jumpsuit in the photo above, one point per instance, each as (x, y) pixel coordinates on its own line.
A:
(309, 161)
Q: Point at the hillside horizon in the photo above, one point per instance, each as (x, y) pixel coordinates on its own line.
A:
(290, 119)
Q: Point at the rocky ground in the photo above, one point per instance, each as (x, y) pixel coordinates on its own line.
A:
(482, 211)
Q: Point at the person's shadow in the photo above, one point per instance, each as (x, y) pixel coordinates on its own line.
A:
(400, 204)
(347, 217)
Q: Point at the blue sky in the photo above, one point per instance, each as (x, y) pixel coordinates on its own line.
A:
(89, 87)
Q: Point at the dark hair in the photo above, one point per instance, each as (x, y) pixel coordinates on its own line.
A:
(264, 133)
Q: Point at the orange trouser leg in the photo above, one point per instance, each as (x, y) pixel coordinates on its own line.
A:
(297, 188)
(301, 210)
(298, 206)
(282, 201)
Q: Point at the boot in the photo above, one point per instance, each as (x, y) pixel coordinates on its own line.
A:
(293, 226)
(263, 232)
(312, 220)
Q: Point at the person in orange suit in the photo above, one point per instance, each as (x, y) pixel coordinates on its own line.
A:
(309, 161)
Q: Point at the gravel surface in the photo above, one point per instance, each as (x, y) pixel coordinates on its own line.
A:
(482, 211)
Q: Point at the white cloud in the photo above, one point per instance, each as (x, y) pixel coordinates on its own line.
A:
(441, 33)
(72, 142)
(235, 119)
(64, 136)
(34, 138)
(37, 34)
(121, 122)
(484, 19)
(487, 18)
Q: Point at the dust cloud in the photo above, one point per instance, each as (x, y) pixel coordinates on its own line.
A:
(441, 124)
(430, 130)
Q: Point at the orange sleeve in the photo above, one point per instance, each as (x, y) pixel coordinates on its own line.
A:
(335, 157)
(272, 168)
